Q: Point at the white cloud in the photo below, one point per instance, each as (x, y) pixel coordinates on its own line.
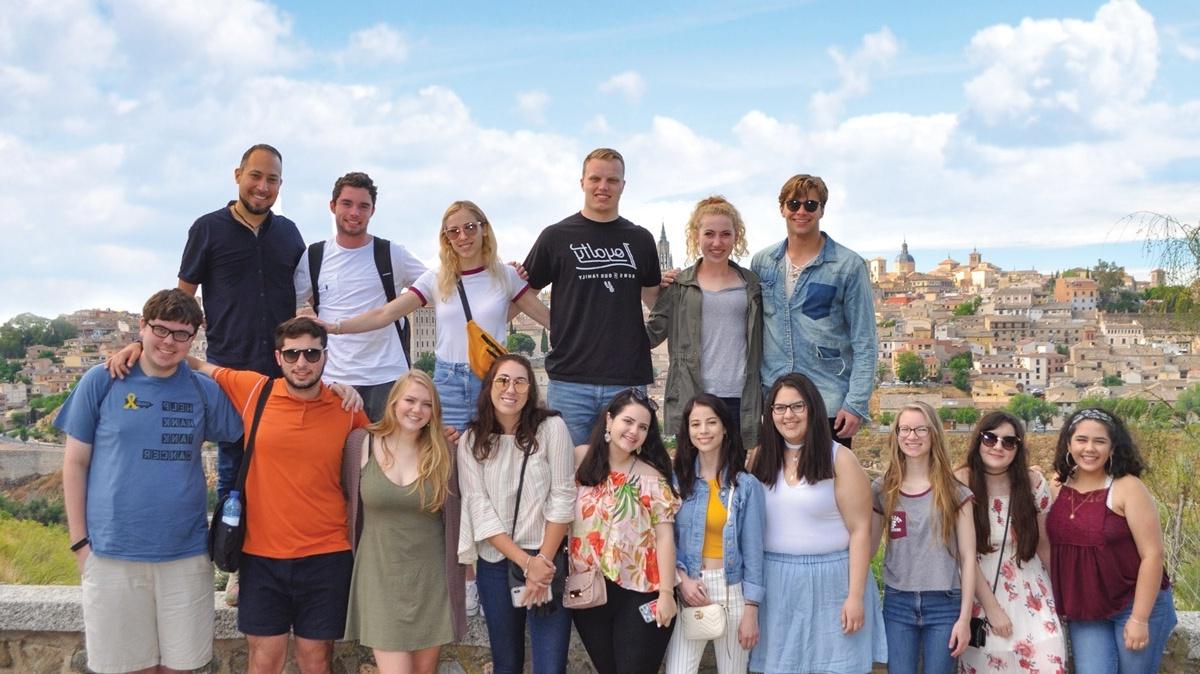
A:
(598, 125)
(532, 105)
(876, 52)
(1085, 69)
(379, 45)
(629, 84)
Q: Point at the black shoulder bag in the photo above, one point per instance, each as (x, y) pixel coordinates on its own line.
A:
(979, 625)
(516, 575)
(225, 540)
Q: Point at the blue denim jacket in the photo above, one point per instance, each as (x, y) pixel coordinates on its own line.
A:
(826, 329)
(742, 541)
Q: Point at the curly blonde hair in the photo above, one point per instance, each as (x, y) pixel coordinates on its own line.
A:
(715, 205)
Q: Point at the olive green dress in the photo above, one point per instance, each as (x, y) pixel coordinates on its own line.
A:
(398, 596)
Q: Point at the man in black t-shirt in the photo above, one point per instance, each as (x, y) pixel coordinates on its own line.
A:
(602, 267)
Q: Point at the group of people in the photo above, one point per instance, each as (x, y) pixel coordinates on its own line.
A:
(379, 502)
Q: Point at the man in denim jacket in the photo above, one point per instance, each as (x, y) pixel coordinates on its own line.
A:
(818, 310)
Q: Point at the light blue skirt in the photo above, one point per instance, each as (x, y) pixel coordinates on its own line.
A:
(800, 618)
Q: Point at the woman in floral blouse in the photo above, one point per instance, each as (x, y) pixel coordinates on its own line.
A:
(1024, 632)
(624, 517)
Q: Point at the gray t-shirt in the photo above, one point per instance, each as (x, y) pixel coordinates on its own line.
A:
(723, 341)
(916, 560)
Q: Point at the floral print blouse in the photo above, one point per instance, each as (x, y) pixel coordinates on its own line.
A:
(614, 528)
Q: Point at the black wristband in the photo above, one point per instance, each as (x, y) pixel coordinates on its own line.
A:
(75, 547)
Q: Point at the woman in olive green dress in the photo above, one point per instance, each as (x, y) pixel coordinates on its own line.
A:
(402, 599)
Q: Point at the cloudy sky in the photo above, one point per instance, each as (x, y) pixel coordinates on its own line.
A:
(1024, 131)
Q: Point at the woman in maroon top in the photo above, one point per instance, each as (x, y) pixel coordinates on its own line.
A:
(1106, 561)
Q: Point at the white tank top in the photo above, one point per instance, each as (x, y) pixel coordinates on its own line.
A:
(804, 519)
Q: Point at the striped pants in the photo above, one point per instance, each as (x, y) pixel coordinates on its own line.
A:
(683, 655)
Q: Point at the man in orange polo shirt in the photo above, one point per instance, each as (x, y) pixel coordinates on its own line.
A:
(296, 560)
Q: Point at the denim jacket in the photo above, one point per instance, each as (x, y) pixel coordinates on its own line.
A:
(826, 329)
(742, 540)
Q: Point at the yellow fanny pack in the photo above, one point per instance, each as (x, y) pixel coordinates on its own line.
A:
(482, 348)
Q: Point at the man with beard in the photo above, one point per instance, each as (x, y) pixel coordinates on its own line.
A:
(296, 562)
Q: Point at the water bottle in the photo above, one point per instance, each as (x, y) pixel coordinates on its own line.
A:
(231, 514)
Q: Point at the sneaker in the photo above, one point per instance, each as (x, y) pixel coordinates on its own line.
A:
(231, 590)
(472, 598)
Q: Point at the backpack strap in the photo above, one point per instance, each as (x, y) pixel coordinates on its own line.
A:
(316, 253)
(383, 264)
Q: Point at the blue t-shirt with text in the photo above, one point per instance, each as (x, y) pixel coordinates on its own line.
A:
(146, 496)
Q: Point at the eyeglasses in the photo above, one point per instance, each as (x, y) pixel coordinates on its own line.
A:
(810, 205)
(163, 331)
(1010, 443)
(921, 431)
(471, 229)
(779, 409)
(640, 395)
(501, 383)
(293, 355)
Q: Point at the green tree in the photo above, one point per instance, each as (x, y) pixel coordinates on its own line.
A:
(946, 414)
(909, 367)
(9, 370)
(882, 371)
(961, 379)
(1188, 403)
(1112, 380)
(886, 418)
(519, 342)
(960, 370)
(545, 345)
(426, 362)
(1062, 349)
(1029, 408)
(967, 416)
(969, 307)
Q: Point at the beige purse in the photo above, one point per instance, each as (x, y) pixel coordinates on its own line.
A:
(585, 589)
(705, 623)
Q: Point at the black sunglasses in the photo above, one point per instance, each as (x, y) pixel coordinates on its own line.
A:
(1009, 442)
(293, 355)
(810, 205)
(640, 395)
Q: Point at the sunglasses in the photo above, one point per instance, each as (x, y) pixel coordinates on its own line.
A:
(470, 229)
(1009, 442)
(810, 205)
(640, 395)
(293, 355)
(501, 383)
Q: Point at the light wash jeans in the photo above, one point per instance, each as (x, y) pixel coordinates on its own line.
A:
(918, 627)
(1098, 646)
(581, 405)
(458, 388)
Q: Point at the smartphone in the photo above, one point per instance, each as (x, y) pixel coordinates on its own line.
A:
(647, 610)
(518, 595)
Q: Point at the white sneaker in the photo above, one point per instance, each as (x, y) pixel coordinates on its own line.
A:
(472, 599)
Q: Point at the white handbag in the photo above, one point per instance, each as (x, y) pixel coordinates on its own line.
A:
(705, 623)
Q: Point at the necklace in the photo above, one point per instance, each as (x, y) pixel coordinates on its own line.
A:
(996, 473)
(1086, 500)
(242, 219)
(627, 468)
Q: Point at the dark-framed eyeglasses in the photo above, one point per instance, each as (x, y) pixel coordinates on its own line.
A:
(797, 408)
(640, 395)
(162, 332)
(1010, 443)
(502, 382)
(810, 205)
(919, 431)
(470, 229)
(293, 355)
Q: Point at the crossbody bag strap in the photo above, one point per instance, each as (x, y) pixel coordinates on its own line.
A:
(462, 294)
(258, 411)
(1003, 541)
(520, 483)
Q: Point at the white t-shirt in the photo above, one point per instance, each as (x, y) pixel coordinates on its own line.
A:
(349, 285)
(489, 298)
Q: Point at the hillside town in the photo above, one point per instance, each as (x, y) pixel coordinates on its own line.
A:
(965, 334)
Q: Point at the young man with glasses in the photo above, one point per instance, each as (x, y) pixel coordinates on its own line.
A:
(602, 267)
(135, 496)
(296, 561)
(350, 282)
(818, 309)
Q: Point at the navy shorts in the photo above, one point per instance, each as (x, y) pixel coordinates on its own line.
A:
(306, 596)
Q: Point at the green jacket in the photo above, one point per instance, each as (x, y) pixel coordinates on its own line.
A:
(676, 318)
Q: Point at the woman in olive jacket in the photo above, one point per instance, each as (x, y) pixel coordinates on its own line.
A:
(730, 299)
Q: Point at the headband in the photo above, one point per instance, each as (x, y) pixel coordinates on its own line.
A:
(1094, 415)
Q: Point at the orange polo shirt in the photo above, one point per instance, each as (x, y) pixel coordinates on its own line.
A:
(294, 503)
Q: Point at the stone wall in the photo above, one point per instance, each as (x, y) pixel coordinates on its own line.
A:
(41, 633)
(18, 462)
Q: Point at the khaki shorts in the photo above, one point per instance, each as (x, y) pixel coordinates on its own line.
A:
(142, 614)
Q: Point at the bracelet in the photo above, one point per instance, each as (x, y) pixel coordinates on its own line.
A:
(77, 545)
(543, 558)
(1139, 622)
(337, 327)
(528, 561)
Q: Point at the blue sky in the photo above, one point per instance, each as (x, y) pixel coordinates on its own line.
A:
(1025, 129)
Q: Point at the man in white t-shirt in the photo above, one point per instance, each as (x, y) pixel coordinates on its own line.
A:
(349, 283)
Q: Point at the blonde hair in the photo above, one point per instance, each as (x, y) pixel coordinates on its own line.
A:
(715, 205)
(451, 268)
(941, 474)
(433, 452)
(604, 154)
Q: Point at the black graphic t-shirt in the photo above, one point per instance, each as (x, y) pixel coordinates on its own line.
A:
(596, 325)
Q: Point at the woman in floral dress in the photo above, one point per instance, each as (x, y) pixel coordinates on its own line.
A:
(1024, 632)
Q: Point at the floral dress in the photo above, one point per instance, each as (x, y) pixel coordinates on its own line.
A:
(1036, 644)
(614, 528)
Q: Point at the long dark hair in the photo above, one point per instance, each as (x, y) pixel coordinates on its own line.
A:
(816, 457)
(486, 426)
(1021, 505)
(731, 457)
(593, 470)
(1125, 458)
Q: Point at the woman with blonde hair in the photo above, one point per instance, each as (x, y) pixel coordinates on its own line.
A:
(471, 269)
(406, 594)
(930, 547)
(729, 299)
